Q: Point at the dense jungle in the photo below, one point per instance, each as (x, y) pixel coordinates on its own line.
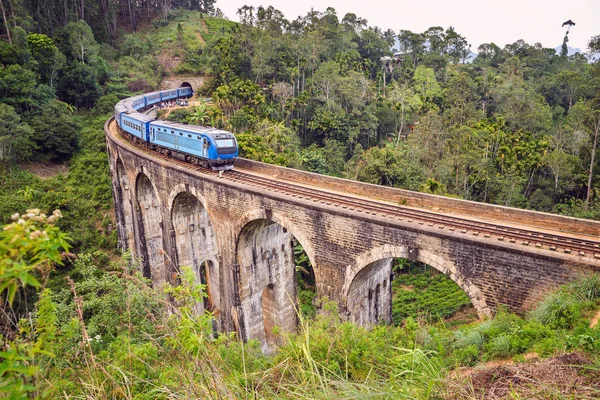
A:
(516, 126)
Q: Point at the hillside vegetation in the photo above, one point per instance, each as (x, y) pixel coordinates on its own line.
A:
(517, 126)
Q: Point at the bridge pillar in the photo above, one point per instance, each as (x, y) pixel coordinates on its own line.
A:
(370, 295)
(194, 245)
(267, 284)
(150, 229)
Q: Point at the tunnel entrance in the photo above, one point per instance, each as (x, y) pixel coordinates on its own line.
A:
(390, 290)
(274, 272)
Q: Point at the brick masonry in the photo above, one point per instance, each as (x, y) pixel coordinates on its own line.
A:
(169, 216)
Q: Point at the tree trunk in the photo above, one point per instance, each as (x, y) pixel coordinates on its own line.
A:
(131, 16)
(591, 172)
(5, 22)
(401, 125)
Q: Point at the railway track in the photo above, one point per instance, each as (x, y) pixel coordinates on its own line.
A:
(526, 237)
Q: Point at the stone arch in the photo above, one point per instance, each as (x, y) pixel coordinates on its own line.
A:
(185, 84)
(196, 244)
(150, 229)
(124, 209)
(266, 279)
(280, 219)
(373, 268)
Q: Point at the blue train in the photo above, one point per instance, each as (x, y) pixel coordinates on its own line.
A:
(209, 147)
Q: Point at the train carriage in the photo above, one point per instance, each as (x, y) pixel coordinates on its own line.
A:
(168, 94)
(200, 145)
(138, 102)
(185, 91)
(136, 124)
(120, 109)
(152, 98)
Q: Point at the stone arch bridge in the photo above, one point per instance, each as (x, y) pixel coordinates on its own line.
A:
(237, 233)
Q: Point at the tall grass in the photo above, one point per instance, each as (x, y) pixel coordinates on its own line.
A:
(128, 342)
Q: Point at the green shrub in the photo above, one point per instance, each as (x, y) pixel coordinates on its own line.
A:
(548, 346)
(559, 310)
(499, 346)
(470, 338)
(586, 287)
(467, 356)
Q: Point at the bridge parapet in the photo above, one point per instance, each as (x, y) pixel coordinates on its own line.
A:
(432, 202)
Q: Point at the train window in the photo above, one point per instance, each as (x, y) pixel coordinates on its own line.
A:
(198, 137)
(180, 134)
(225, 143)
(189, 135)
(172, 132)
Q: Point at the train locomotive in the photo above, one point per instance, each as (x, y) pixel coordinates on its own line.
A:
(209, 147)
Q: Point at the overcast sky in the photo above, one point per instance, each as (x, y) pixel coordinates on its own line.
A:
(481, 21)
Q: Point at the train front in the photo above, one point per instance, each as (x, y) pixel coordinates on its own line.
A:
(223, 150)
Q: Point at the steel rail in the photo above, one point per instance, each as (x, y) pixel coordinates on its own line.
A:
(432, 218)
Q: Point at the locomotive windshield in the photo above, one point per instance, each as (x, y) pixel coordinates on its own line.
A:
(225, 143)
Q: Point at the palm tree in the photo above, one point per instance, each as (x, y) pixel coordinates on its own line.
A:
(199, 116)
(433, 187)
(27, 193)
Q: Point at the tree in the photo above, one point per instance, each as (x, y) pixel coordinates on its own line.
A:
(49, 59)
(490, 54)
(594, 46)
(79, 86)
(586, 115)
(356, 24)
(56, 132)
(282, 92)
(5, 21)
(406, 103)
(372, 47)
(78, 43)
(413, 45)
(456, 46)
(17, 87)
(427, 87)
(15, 136)
(461, 98)
(199, 116)
(435, 37)
(520, 105)
(390, 166)
(433, 187)
(561, 165)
